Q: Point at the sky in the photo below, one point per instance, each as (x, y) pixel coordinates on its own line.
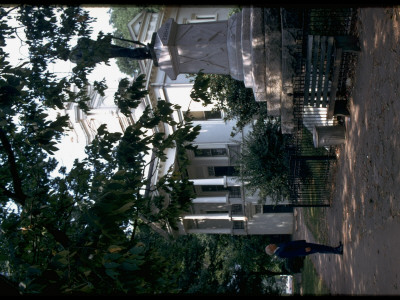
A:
(69, 149)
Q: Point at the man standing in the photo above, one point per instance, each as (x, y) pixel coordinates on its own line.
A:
(301, 248)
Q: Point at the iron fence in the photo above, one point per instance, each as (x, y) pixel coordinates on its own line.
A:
(310, 168)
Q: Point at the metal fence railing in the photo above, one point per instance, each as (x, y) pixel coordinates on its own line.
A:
(310, 168)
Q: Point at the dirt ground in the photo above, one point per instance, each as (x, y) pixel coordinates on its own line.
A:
(365, 211)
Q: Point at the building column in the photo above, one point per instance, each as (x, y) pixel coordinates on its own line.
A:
(223, 199)
(239, 218)
(208, 181)
(223, 216)
(225, 181)
(211, 231)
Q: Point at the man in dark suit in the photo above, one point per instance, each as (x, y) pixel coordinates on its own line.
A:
(301, 248)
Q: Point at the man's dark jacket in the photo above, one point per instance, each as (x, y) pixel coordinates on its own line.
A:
(292, 249)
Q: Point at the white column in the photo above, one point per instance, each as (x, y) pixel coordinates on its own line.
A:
(239, 218)
(224, 216)
(225, 181)
(208, 181)
(211, 230)
(222, 199)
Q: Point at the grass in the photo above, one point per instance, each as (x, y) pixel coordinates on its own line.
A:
(311, 283)
(315, 219)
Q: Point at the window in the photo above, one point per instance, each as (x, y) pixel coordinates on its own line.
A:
(213, 188)
(213, 212)
(238, 225)
(224, 171)
(210, 152)
(234, 191)
(204, 115)
(277, 209)
(236, 209)
(208, 114)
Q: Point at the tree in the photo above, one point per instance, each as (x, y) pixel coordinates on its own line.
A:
(223, 264)
(120, 16)
(264, 160)
(80, 232)
(230, 96)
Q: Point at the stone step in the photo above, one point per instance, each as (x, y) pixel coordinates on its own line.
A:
(234, 46)
(258, 63)
(246, 48)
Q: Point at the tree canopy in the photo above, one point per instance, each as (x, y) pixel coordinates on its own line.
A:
(230, 96)
(264, 160)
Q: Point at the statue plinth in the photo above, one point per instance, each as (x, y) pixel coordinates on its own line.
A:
(248, 47)
(189, 48)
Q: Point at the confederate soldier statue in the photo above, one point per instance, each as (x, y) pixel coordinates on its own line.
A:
(89, 52)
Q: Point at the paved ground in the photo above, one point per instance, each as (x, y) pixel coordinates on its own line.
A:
(365, 212)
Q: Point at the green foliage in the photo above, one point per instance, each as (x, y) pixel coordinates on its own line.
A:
(120, 16)
(234, 10)
(82, 231)
(264, 161)
(223, 264)
(91, 52)
(49, 31)
(129, 95)
(228, 95)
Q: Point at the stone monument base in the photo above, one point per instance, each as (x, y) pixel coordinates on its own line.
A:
(252, 46)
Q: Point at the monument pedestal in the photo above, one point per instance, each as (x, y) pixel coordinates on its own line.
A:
(251, 47)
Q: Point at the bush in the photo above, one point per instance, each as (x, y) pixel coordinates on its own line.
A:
(264, 160)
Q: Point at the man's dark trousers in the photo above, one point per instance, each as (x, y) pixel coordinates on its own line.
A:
(298, 248)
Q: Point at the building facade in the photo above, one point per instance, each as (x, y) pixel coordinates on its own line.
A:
(223, 205)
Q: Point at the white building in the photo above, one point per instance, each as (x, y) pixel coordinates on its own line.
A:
(222, 204)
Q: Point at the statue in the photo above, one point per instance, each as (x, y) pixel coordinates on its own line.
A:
(90, 52)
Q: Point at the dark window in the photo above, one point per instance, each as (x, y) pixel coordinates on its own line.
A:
(277, 209)
(210, 152)
(236, 209)
(212, 114)
(204, 115)
(225, 171)
(234, 192)
(238, 225)
(213, 188)
(210, 212)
